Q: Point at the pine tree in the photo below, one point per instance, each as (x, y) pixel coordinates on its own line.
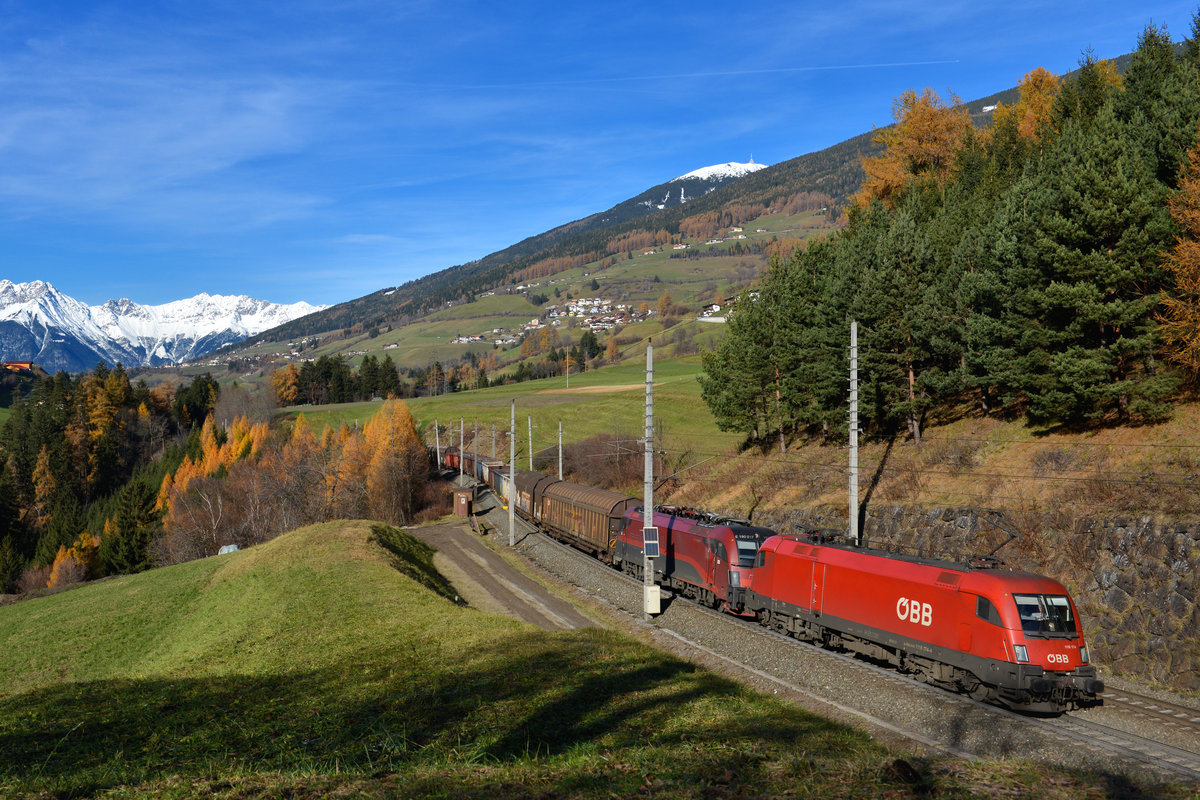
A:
(1083, 288)
(12, 564)
(1161, 102)
(738, 376)
(125, 542)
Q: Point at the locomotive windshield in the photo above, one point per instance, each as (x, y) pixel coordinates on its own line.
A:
(747, 548)
(1046, 615)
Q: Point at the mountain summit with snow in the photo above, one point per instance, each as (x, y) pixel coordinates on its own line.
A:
(41, 324)
(722, 172)
(689, 186)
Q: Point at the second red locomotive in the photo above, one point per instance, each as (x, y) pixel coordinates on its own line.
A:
(703, 555)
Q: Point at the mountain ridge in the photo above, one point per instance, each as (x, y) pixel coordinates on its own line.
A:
(42, 324)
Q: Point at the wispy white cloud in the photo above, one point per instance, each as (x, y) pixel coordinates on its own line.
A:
(105, 124)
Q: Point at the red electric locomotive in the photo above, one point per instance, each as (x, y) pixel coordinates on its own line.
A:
(703, 555)
(1007, 636)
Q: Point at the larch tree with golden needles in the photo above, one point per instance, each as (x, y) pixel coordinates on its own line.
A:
(921, 144)
(397, 467)
(1180, 317)
(286, 383)
(1034, 110)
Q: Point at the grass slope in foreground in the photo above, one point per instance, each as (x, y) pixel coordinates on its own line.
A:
(333, 661)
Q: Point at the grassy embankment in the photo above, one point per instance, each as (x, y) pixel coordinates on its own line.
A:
(323, 663)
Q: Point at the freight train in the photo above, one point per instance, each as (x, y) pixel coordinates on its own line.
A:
(1000, 635)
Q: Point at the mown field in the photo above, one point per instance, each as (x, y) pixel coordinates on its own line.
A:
(333, 661)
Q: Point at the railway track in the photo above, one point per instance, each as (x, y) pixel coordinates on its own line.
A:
(928, 716)
(1179, 719)
(1163, 758)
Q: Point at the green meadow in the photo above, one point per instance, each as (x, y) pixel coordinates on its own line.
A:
(334, 660)
(610, 400)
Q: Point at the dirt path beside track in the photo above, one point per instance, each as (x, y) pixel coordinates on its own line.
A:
(489, 583)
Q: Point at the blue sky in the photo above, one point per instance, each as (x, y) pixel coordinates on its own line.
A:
(322, 150)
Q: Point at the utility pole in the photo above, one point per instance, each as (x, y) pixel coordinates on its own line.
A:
(475, 440)
(512, 478)
(560, 449)
(437, 443)
(652, 595)
(493, 441)
(462, 434)
(530, 418)
(855, 534)
(567, 363)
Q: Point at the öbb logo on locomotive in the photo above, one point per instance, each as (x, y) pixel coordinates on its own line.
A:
(1000, 634)
(914, 611)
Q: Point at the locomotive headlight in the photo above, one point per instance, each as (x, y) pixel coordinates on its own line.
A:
(1021, 653)
(735, 578)
(1083, 654)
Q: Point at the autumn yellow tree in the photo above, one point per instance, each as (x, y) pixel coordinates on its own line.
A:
(921, 144)
(397, 467)
(664, 304)
(286, 384)
(1180, 317)
(1034, 109)
(76, 563)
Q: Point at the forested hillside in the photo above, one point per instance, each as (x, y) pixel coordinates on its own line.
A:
(1029, 266)
(826, 177)
(831, 174)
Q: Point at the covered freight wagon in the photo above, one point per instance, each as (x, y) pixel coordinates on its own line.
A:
(589, 518)
(531, 487)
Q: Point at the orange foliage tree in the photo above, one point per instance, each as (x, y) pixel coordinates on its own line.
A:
(398, 465)
(76, 563)
(286, 383)
(1180, 317)
(921, 144)
(1034, 107)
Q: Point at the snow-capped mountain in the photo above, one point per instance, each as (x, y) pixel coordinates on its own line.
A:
(696, 183)
(722, 172)
(41, 324)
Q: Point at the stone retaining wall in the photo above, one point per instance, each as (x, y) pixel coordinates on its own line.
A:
(1134, 580)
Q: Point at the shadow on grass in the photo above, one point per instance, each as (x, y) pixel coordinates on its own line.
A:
(531, 697)
(587, 713)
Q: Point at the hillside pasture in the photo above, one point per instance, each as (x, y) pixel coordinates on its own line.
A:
(334, 660)
(610, 400)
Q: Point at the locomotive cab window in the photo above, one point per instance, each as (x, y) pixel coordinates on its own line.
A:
(747, 549)
(761, 558)
(1046, 615)
(986, 610)
(719, 550)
